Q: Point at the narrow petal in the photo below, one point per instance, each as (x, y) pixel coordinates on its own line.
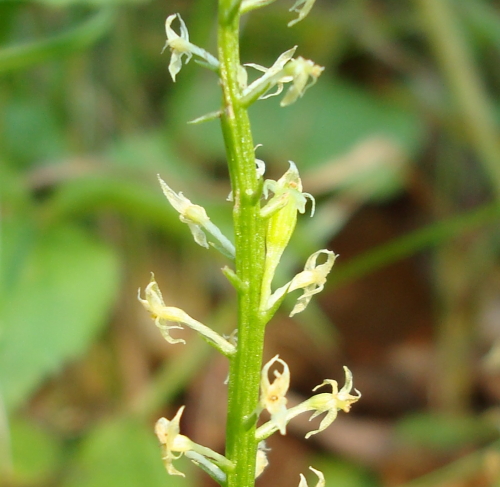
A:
(303, 11)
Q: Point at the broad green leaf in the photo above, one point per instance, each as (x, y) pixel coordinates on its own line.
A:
(61, 300)
(153, 152)
(122, 453)
(331, 118)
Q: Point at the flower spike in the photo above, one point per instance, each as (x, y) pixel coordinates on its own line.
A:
(272, 396)
(321, 479)
(162, 314)
(332, 402)
(180, 46)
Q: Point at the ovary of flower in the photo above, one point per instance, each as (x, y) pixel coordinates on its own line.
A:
(180, 46)
(321, 479)
(300, 70)
(171, 441)
(272, 395)
(162, 314)
(332, 402)
(303, 11)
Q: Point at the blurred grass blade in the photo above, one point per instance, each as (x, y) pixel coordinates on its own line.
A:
(22, 56)
(432, 235)
(482, 18)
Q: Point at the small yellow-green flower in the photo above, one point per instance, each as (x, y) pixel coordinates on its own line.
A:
(162, 315)
(332, 402)
(299, 71)
(174, 445)
(198, 221)
(280, 213)
(312, 280)
(326, 402)
(272, 395)
(180, 46)
(171, 441)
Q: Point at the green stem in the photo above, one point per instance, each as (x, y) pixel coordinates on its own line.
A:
(244, 374)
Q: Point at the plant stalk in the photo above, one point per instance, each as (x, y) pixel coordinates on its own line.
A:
(245, 366)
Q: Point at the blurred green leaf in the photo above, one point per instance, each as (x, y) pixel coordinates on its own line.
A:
(65, 291)
(152, 152)
(122, 453)
(93, 3)
(483, 19)
(32, 119)
(330, 119)
(36, 52)
(35, 452)
(443, 432)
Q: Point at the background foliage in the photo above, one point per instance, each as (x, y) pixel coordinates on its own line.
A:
(398, 140)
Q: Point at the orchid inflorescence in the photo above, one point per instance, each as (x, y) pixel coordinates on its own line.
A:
(279, 203)
(301, 73)
(273, 399)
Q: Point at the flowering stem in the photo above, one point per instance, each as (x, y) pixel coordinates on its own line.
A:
(245, 366)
